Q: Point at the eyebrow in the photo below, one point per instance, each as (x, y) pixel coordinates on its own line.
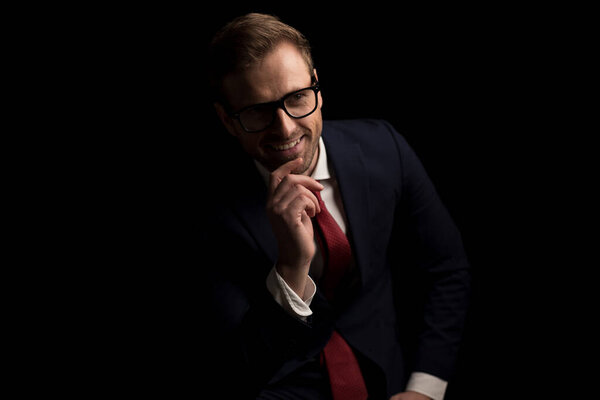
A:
(313, 81)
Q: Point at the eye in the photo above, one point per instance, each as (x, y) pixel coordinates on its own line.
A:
(297, 98)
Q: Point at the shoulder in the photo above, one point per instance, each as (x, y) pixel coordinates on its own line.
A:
(369, 132)
(376, 137)
(385, 153)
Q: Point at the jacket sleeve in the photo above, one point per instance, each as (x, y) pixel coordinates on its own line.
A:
(252, 335)
(434, 284)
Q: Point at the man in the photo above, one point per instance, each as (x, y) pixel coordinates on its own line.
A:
(331, 239)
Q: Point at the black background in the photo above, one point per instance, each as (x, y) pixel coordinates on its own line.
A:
(482, 93)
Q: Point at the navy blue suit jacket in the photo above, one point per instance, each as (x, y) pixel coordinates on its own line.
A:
(406, 314)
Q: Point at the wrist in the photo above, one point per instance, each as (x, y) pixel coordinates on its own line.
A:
(296, 277)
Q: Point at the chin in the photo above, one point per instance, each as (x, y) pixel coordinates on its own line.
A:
(300, 171)
(303, 169)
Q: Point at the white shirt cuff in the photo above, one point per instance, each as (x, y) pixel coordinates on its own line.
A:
(428, 385)
(288, 299)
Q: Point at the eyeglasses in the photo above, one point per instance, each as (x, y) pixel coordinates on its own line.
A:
(298, 104)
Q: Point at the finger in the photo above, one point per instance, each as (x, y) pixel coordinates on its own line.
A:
(283, 171)
(284, 199)
(290, 181)
(302, 204)
(297, 184)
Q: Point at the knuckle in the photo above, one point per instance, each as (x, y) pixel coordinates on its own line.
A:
(274, 176)
(306, 198)
(278, 209)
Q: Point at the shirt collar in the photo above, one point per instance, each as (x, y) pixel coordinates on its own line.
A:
(320, 173)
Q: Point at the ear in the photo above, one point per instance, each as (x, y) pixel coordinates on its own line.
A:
(226, 120)
(318, 94)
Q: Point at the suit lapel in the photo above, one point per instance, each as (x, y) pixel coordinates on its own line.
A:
(348, 164)
(250, 205)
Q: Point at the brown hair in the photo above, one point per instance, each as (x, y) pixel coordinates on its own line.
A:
(247, 40)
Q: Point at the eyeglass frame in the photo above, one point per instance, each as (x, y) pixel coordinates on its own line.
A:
(277, 104)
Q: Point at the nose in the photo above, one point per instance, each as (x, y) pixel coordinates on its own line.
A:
(283, 124)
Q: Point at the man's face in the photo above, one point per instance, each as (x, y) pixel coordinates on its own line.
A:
(282, 71)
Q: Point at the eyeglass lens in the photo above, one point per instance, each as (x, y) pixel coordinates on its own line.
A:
(297, 105)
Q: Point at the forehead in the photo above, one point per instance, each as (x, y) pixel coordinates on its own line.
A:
(281, 71)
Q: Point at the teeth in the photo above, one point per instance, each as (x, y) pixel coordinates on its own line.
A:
(286, 146)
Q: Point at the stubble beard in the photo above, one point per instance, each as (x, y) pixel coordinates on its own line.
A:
(308, 156)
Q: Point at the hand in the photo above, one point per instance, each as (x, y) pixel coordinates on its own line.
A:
(290, 206)
(409, 396)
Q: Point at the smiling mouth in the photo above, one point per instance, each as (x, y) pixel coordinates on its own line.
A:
(286, 146)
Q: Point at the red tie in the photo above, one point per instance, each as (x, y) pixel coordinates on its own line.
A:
(345, 377)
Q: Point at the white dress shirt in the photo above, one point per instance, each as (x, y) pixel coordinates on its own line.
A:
(299, 307)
